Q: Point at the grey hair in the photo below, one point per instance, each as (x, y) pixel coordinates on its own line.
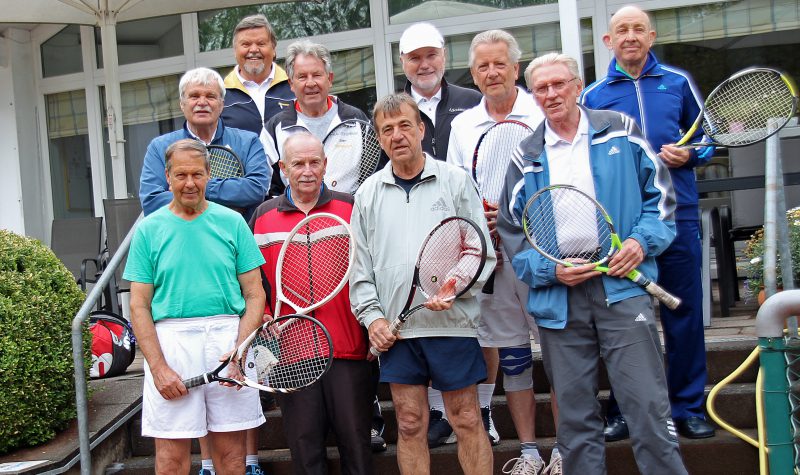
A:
(307, 48)
(201, 76)
(390, 105)
(495, 36)
(305, 135)
(255, 21)
(551, 58)
(186, 145)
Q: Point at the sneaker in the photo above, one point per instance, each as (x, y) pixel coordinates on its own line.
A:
(524, 465)
(377, 443)
(554, 467)
(488, 424)
(253, 470)
(439, 430)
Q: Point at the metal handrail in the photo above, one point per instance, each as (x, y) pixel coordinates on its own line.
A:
(81, 398)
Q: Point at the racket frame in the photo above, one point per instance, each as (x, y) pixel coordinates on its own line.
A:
(229, 150)
(672, 302)
(365, 168)
(790, 84)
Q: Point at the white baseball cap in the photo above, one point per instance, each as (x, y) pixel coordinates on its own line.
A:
(420, 35)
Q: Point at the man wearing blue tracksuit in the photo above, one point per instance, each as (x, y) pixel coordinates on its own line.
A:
(664, 102)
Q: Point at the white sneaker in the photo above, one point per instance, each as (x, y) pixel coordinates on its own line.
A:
(524, 465)
(488, 424)
(554, 467)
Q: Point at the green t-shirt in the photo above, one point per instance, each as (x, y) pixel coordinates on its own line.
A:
(193, 265)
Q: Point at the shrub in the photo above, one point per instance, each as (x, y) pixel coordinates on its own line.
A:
(38, 299)
(754, 251)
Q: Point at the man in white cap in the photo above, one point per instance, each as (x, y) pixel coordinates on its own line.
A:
(422, 53)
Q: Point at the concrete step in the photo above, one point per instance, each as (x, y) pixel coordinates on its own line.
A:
(720, 455)
(730, 404)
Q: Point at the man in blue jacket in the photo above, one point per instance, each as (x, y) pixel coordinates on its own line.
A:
(201, 94)
(584, 315)
(664, 102)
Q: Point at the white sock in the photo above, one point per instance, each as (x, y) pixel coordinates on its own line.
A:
(554, 453)
(435, 401)
(530, 448)
(485, 392)
(251, 460)
(208, 464)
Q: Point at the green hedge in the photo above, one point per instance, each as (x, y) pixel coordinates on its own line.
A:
(38, 299)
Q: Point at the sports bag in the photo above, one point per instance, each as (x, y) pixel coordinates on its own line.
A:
(113, 344)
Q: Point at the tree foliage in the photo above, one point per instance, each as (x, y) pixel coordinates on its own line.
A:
(38, 298)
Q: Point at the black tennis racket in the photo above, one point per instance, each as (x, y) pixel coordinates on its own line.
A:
(353, 152)
(224, 162)
(284, 355)
(449, 262)
(490, 162)
(570, 228)
(738, 111)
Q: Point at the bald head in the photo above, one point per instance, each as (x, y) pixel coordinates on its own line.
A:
(630, 36)
(301, 141)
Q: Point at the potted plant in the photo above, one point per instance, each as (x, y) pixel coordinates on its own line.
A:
(754, 252)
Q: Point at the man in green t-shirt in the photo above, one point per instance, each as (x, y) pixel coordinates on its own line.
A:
(196, 293)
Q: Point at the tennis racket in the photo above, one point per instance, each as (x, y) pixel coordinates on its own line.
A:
(449, 262)
(563, 224)
(224, 162)
(736, 112)
(314, 263)
(284, 355)
(353, 153)
(490, 162)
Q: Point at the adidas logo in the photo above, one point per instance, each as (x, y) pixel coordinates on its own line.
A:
(613, 150)
(640, 318)
(440, 205)
(662, 88)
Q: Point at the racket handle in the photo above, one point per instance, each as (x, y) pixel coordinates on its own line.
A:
(670, 301)
(394, 327)
(196, 381)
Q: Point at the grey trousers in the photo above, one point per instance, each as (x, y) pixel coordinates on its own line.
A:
(624, 335)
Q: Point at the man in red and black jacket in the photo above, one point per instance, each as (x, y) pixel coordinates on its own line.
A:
(341, 400)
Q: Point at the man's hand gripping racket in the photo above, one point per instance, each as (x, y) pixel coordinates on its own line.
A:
(566, 226)
(449, 263)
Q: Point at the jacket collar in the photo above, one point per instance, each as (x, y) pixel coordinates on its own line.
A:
(232, 79)
(286, 204)
(217, 135)
(533, 146)
(651, 68)
(407, 89)
(429, 170)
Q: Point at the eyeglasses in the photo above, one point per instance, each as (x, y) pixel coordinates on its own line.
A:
(557, 86)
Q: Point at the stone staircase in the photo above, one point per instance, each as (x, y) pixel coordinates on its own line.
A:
(723, 454)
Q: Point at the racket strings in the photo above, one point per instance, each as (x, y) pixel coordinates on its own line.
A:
(566, 225)
(738, 113)
(450, 259)
(353, 152)
(224, 164)
(494, 154)
(315, 263)
(287, 359)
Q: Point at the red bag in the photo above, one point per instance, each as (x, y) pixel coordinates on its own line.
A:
(113, 344)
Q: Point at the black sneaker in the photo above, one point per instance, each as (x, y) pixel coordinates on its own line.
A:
(488, 424)
(377, 443)
(439, 430)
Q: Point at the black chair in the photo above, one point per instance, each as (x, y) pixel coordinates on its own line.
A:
(121, 215)
(77, 243)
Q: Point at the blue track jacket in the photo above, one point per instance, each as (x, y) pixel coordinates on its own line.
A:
(630, 182)
(671, 102)
(247, 192)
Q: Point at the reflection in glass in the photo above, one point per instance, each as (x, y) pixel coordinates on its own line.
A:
(68, 144)
(409, 11)
(61, 53)
(289, 20)
(144, 40)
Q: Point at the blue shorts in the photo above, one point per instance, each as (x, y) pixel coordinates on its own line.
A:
(449, 363)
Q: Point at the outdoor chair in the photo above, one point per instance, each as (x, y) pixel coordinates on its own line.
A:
(77, 243)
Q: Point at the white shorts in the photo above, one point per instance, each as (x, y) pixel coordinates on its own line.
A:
(193, 346)
(504, 321)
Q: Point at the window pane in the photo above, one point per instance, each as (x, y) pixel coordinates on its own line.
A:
(409, 11)
(533, 40)
(144, 40)
(150, 108)
(290, 20)
(70, 166)
(61, 54)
